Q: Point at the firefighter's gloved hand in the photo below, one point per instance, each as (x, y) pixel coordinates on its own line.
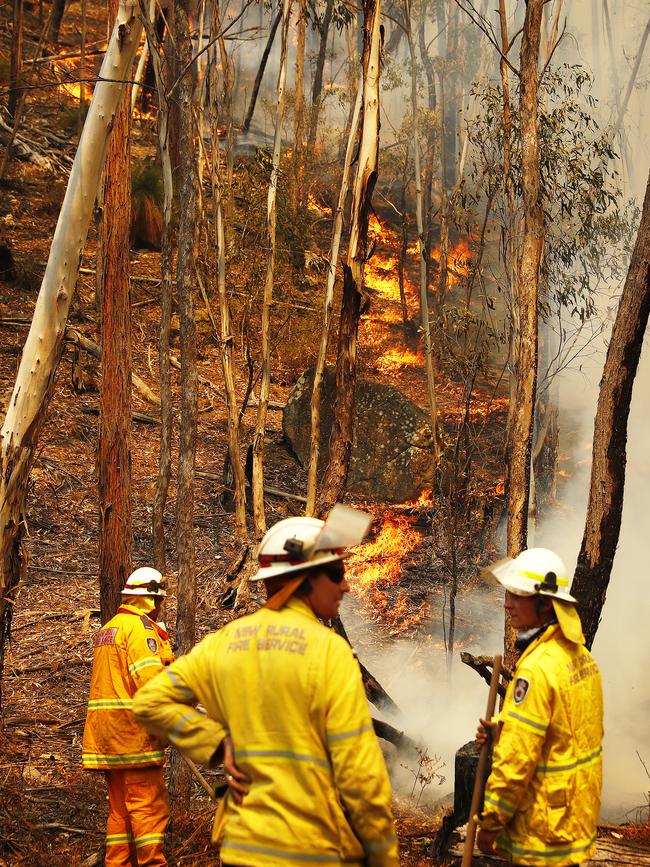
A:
(237, 780)
(487, 731)
(485, 841)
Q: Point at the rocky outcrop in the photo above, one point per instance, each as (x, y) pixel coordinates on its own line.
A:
(392, 449)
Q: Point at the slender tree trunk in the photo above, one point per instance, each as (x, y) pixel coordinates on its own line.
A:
(226, 335)
(527, 284)
(58, 9)
(511, 242)
(603, 521)
(403, 241)
(185, 281)
(265, 383)
(317, 86)
(432, 145)
(527, 287)
(260, 73)
(314, 452)
(161, 75)
(298, 185)
(422, 260)
(335, 481)
(16, 63)
(114, 452)
(42, 351)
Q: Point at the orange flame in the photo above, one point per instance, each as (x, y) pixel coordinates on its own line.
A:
(67, 71)
(315, 206)
(376, 567)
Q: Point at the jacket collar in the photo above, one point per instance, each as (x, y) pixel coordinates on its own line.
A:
(548, 633)
(125, 608)
(297, 604)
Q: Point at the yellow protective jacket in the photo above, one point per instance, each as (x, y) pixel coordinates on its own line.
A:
(543, 794)
(129, 650)
(288, 691)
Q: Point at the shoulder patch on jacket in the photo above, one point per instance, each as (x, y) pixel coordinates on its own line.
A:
(520, 691)
(146, 622)
(152, 644)
(106, 636)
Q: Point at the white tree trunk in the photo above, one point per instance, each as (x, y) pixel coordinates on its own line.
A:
(258, 444)
(42, 351)
(314, 451)
(424, 301)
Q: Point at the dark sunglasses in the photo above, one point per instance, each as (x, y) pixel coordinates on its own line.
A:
(335, 571)
(153, 586)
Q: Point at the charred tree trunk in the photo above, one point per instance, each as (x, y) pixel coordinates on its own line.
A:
(314, 452)
(527, 288)
(16, 64)
(260, 73)
(298, 184)
(186, 610)
(58, 10)
(603, 521)
(227, 340)
(42, 352)
(335, 481)
(422, 251)
(271, 217)
(317, 87)
(114, 457)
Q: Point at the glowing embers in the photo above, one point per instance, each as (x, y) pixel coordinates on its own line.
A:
(481, 407)
(68, 74)
(375, 571)
(315, 206)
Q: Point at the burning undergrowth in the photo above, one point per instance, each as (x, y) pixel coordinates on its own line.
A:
(389, 575)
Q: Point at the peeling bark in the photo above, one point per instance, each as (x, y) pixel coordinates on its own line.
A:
(336, 475)
(114, 441)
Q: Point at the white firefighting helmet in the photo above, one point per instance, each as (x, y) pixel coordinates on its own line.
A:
(296, 544)
(145, 581)
(535, 570)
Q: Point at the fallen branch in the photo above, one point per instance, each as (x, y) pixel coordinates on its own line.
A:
(135, 415)
(376, 693)
(275, 492)
(482, 665)
(21, 149)
(73, 336)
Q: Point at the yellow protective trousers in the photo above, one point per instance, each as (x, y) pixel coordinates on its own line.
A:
(137, 817)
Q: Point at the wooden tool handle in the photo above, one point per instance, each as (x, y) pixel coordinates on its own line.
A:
(479, 780)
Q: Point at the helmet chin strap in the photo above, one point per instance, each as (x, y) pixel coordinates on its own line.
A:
(280, 597)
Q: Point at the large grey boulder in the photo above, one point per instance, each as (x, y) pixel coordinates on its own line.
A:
(392, 448)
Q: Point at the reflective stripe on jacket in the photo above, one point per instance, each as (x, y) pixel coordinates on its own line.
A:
(288, 691)
(543, 794)
(129, 650)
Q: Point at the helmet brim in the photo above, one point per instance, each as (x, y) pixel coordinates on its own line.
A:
(505, 573)
(137, 591)
(278, 570)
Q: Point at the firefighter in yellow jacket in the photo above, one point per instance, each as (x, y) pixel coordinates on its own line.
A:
(543, 795)
(129, 650)
(288, 692)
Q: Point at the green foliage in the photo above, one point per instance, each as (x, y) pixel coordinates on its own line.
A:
(580, 192)
(147, 181)
(342, 16)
